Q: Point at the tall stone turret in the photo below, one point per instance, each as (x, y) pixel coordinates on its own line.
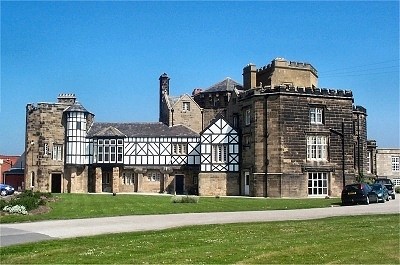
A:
(164, 90)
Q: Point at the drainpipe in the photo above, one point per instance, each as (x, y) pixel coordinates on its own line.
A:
(172, 114)
(266, 145)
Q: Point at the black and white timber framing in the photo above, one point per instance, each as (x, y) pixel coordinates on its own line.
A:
(219, 147)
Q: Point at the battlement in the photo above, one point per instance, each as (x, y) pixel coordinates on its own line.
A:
(66, 98)
(306, 91)
(283, 63)
(360, 109)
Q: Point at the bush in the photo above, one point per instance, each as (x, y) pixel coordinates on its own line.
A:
(397, 189)
(28, 199)
(185, 199)
(15, 209)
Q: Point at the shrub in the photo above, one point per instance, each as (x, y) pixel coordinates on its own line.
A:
(185, 199)
(397, 189)
(28, 199)
(20, 209)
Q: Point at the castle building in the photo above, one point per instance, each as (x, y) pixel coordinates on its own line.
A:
(277, 135)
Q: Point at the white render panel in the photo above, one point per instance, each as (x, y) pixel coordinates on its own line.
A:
(219, 139)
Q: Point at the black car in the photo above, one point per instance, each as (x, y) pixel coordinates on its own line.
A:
(389, 185)
(359, 193)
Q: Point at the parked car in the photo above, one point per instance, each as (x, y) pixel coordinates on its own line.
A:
(389, 185)
(381, 191)
(6, 190)
(358, 193)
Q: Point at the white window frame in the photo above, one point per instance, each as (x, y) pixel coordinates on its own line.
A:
(219, 153)
(395, 163)
(128, 179)
(57, 152)
(109, 151)
(318, 184)
(396, 181)
(179, 149)
(154, 177)
(46, 149)
(186, 106)
(316, 115)
(317, 147)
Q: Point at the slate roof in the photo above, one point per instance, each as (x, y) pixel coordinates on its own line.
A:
(76, 107)
(225, 85)
(155, 129)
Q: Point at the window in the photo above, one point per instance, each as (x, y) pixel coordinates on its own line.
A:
(316, 148)
(186, 106)
(369, 162)
(395, 163)
(78, 125)
(247, 117)
(396, 181)
(235, 121)
(246, 140)
(46, 149)
(316, 115)
(106, 178)
(317, 183)
(220, 153)
(179, 149)
(128, 178)
(154, 176)
(57, 152)
(32, 179)
(110, 150)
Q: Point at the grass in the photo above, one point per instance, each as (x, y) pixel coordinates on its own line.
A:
(337, 240)
(69, 206)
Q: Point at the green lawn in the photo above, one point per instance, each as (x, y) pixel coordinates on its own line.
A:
(336, 240)
(69, 206)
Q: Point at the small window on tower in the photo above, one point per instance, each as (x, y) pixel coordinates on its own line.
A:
(78, 125)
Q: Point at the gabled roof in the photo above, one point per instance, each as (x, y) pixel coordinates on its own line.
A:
(225, 85)
(155, 129)
(109, 131)
(76, 107)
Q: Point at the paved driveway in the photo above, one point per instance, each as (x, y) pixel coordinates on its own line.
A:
(36, 231)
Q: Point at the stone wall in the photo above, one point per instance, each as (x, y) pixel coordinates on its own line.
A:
(384, 162)
(218, 184)
(44, 128)
(191, 118)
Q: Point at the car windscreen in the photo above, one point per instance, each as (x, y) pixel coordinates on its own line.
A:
(389, 187)
(352, 187)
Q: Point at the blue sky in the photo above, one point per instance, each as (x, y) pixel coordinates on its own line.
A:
(111, 54)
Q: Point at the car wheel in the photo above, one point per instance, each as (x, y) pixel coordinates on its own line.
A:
(3, 193)
(387, 199)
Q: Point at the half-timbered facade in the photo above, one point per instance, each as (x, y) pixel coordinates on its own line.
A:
(277, 135)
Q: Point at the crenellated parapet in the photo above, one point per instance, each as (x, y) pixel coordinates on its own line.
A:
(283, 63)
(305, 91)
(359, 109)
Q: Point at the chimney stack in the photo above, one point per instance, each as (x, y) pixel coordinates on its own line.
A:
(249, 76)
